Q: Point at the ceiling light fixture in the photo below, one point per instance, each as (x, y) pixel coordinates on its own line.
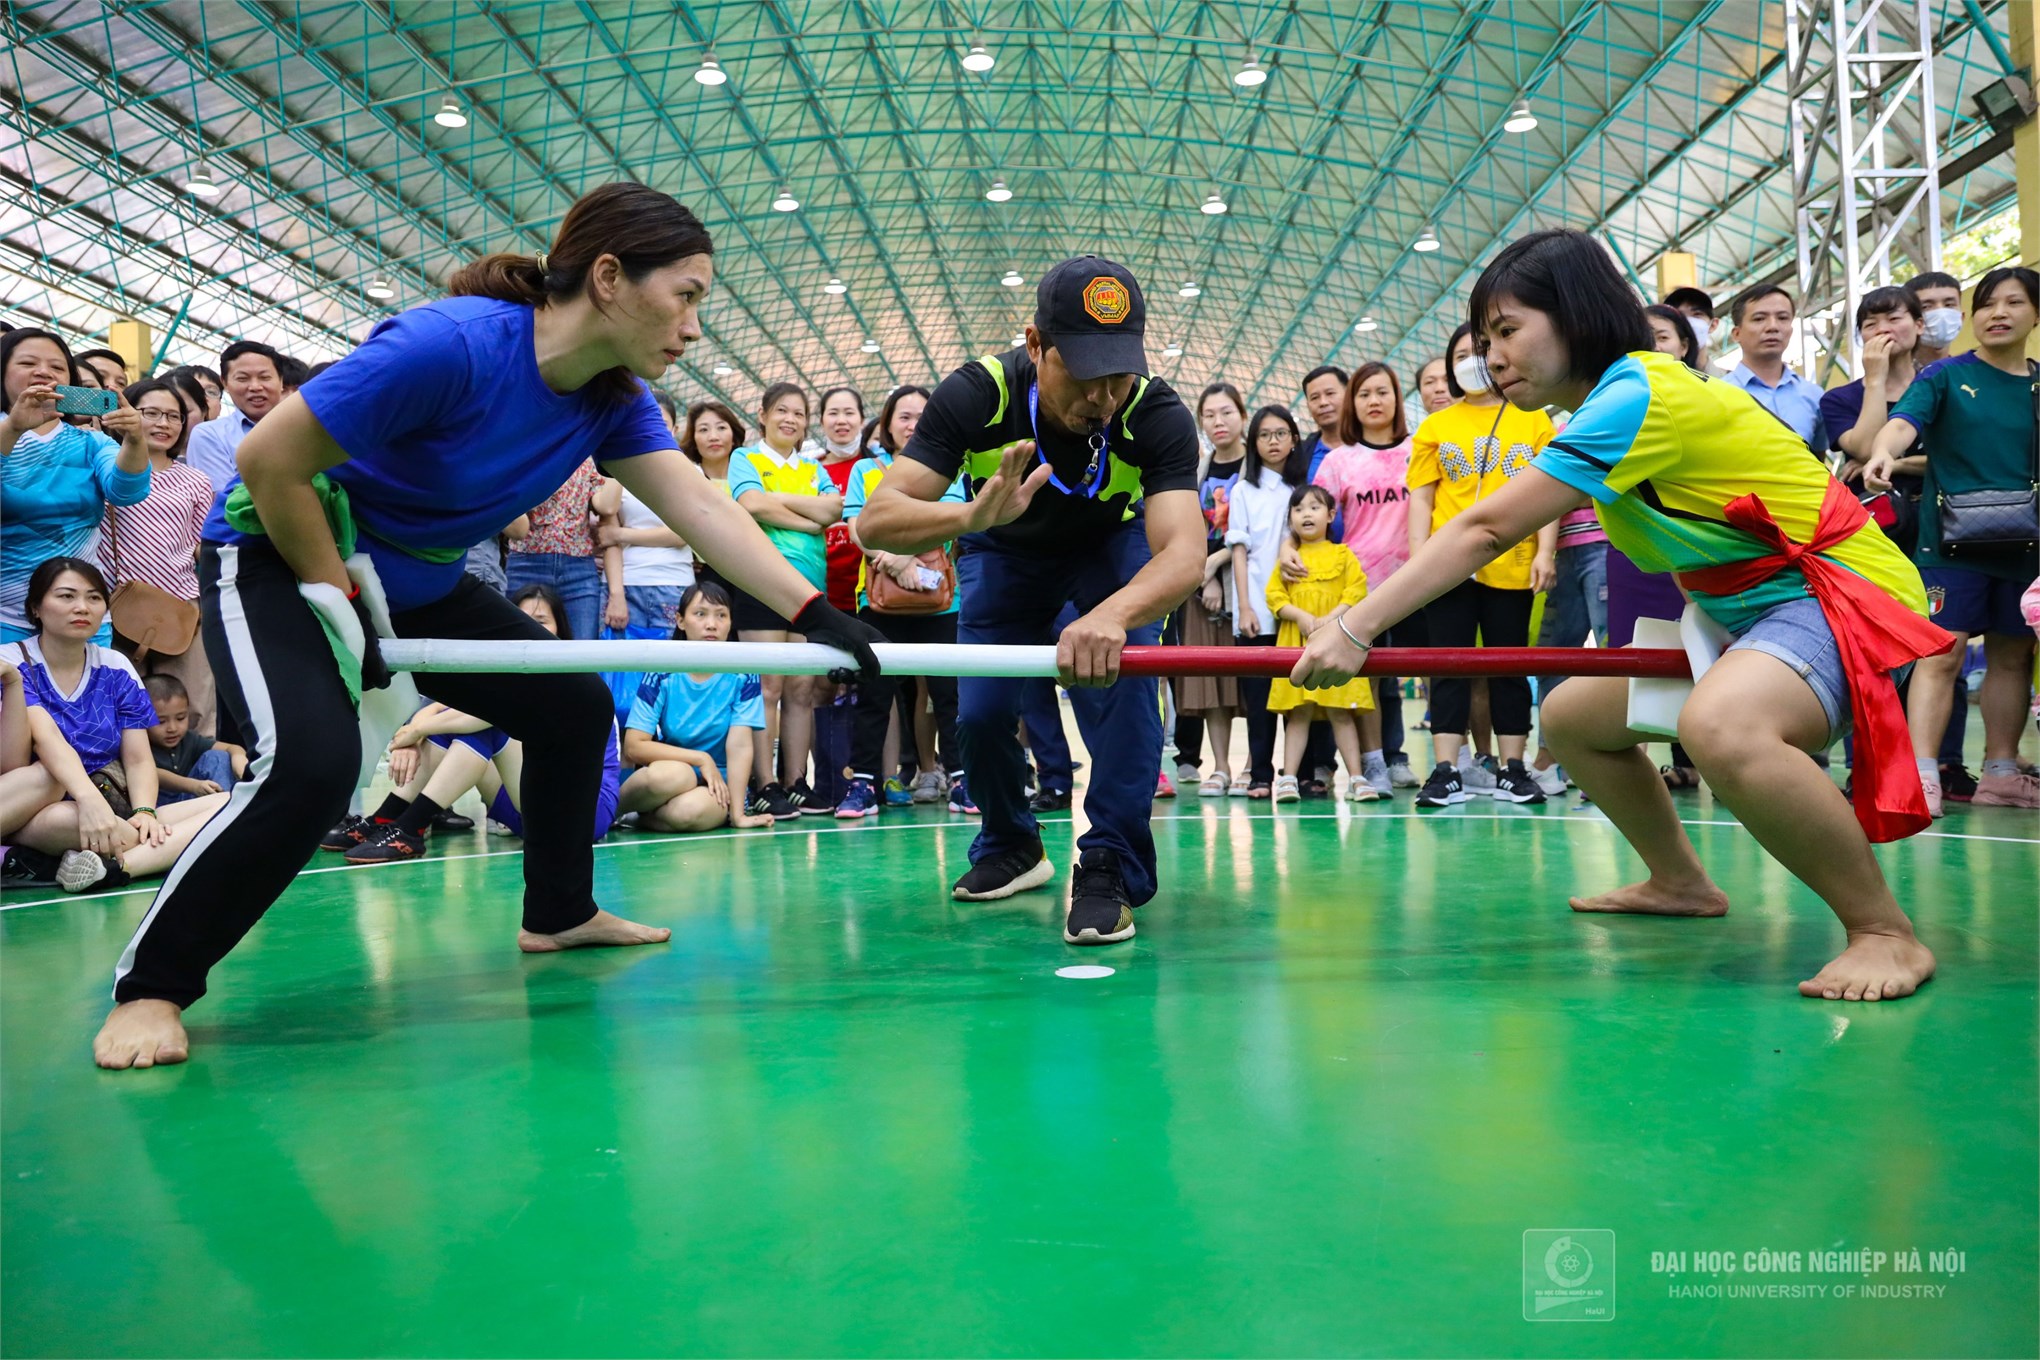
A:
(723, 370)
(710, 72)
(449, 115)
(202, 183)
(1366, 324)
(869, 347)
(836, 287)
(786, 202)
(380, 288)
(1213, 206)
(1427, 242)
(1188, 290)
(1012, 278)
(1250, 74)
(1020, 339)
(978, 60)
(1174, 351)
(1520, 118)
(998, 193)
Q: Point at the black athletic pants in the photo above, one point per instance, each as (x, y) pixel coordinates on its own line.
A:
(277, 677)
(876, 698)
(1471, 612)
(1260, 722)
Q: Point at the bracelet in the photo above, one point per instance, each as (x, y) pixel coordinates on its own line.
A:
(136, 812)
(1363, 646)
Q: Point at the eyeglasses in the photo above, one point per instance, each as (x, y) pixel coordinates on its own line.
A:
(1274, 437)
(160, 417)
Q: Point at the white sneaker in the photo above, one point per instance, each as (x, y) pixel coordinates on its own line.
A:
(1401, 776)
(1551, 779)
(1376, 778)
(930, 787)
(1480, 777)
(1186, 773)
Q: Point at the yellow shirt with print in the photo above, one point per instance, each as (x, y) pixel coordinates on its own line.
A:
(1469, 451)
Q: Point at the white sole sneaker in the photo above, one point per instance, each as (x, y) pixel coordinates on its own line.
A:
(1043, 871)
(79, 870)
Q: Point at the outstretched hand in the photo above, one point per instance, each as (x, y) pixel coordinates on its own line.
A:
(1006, 495)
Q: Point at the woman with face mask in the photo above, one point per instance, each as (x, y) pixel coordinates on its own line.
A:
(1459, 457)
(838, 450)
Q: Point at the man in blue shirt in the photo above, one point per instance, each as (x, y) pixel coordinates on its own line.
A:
(254, 379)
(1763, 317)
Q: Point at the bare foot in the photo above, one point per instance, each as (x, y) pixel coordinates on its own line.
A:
(1650, 898)
(1873, 968)
(597, 932)
(142, 1034)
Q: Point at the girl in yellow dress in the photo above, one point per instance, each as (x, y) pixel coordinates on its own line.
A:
(1334, 584)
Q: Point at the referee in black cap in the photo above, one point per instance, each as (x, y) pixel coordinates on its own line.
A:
(1083, 473)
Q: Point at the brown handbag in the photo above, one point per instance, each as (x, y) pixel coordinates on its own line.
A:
(148, 616)
(888, 596)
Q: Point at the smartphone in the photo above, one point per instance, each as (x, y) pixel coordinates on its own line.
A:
(85, 401)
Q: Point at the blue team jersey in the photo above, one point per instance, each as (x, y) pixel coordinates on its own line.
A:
(698, 713)
(450, 434)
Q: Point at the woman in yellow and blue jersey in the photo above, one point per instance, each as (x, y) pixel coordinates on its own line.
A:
(1690, 475)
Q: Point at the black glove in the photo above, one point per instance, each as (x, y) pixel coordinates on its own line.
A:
(824, 623)
(374, 674)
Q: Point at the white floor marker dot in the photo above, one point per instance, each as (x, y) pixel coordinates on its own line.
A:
(1085, 970)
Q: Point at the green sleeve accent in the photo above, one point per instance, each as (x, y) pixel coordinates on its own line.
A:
(998, 372)
(1126, 418)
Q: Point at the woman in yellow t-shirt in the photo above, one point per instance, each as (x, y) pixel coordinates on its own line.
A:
(1471, 449)
(1331, 584)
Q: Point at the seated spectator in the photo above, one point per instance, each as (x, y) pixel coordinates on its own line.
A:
(441, 753)
(107, 830)
(688, 732)
(189, 764)
(56, 479)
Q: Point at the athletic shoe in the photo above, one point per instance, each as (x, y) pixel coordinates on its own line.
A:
(1186, 773)
(1287, 790)
(497, 828)
(1481, 776)
(803, 797)
(1443, 788)
(449, 820)
(1400, 775)
(1515, 784)
(82, 869)
(1551, 779)
(1050, 800)
(1932, 788)
(1359, 790)
(930, 787)
(893, 794)
(1958, 785)
(1163, 788)
(2007, 790)
(1099, 910)
(1376, 778)
(1004, 874)
(1214, 786)
(859, 800)
(21, 867)
(351, 832)
(960, 799)
(388, 845)
(773, 801)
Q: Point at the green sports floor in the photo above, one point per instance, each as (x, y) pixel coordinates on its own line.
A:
(1362, 1085)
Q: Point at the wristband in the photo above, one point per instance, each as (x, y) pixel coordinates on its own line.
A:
(354, 592)
(1363, 646)
(136, 812)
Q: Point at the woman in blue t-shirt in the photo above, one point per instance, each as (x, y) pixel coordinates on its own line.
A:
(687, 732)
(448, 422)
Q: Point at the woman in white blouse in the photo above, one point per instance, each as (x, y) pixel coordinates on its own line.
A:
(1259, 520)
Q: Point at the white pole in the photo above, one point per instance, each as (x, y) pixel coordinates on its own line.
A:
(710, 658)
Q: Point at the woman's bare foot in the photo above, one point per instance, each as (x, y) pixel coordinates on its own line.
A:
(1650, 898)
(142, 1034)
(597, 932)
(1873, 968)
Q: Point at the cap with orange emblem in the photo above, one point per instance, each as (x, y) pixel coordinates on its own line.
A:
(1091, 310)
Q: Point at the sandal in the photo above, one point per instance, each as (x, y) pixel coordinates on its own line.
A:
(1214, 786)
(1243, 787)
(1286, 790)
(1680, 776)
(1257, 790)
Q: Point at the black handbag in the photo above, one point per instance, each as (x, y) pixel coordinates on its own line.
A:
(1994, 523)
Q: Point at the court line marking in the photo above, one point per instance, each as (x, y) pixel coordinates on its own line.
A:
(841, 826)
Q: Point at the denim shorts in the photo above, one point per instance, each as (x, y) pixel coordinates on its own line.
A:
(1797, 633)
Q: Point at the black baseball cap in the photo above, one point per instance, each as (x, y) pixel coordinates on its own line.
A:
(1091, 310)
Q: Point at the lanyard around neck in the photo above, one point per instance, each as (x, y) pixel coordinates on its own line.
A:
(1094, 472)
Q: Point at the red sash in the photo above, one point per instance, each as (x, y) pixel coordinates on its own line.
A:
(1876, 634)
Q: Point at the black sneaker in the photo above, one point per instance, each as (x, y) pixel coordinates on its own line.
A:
(386, 845)
(802, 796)
(1099, 911)
(772, 801)
(449, 820)
(1050, 800)
(1004, 874)
(26, 868)
(1958, 785)
(1515, 784)
(351, 832)
(1443, 788)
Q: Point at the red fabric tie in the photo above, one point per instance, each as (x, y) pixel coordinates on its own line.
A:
(1876, 635)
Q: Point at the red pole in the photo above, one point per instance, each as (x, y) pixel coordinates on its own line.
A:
(1651, 662)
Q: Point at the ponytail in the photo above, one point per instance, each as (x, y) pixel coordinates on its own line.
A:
(510, 278)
